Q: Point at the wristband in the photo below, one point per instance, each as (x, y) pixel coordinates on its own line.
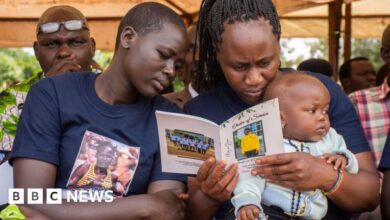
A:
(336, 185)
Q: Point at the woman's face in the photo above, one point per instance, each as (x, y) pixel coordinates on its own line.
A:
(249, 57)
(152, 58)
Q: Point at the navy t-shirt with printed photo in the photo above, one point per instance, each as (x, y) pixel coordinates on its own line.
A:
(59, 110)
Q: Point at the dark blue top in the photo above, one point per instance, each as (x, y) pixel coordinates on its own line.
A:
(221, 102)
(385, 161)
(58, 111)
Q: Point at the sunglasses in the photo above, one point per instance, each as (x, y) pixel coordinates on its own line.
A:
(71, 25)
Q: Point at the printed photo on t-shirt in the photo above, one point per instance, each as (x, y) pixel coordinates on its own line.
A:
(189, 144)
(103, 164)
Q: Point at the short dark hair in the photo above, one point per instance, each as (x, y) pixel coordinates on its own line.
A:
(345, 69)
(317, 66)
(212, 16)
(148, 17)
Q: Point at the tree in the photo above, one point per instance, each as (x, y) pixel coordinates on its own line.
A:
(16, 65)
(9, 70)
(103, 58)
(318, 48)
(287, 58)
(369, 48)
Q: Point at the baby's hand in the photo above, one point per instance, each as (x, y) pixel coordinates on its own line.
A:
(339, 160)
(248, 212)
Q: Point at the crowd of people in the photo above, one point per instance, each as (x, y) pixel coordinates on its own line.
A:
(188, 143)
(335, 136)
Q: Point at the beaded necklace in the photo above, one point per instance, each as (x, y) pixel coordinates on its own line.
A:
(90, 176)
(294, 210)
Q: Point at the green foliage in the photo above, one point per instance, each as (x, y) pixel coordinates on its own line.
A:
(7, 99)
(103, 58)
(178, 85)
(318, 48)
(286, 48)
(10, 71)
(9, 126)
(369, 48)
(16, 65)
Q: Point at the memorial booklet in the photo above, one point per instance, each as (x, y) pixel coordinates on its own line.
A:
(186, 141)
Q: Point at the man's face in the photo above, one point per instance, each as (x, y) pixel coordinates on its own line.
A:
(190, 61)
(64, 51)
(363, 75)
(105, 157)
(385, 49)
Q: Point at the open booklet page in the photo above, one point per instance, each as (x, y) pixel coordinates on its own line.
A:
(254, 132)
(186, 141)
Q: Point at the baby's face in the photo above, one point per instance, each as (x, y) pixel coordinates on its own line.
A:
(306, 113)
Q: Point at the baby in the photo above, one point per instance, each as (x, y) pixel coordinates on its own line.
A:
(304, 104)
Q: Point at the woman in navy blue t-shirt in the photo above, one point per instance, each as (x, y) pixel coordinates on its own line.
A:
(239, 55)
(61, 114)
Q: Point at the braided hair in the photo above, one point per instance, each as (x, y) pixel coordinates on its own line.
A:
(212, 16)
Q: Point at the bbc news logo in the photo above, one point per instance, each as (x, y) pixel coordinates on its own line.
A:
(55, 196)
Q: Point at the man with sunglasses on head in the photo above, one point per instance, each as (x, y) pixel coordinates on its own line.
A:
(63, 45)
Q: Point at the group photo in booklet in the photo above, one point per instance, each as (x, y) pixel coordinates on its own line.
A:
(189, 144)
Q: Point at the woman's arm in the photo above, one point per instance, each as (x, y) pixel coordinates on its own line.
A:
(29, 173)
(303, 172)
(211, 186)
(32, 214)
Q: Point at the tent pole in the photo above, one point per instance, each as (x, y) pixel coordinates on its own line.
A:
(348, 31)
(334, 23)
